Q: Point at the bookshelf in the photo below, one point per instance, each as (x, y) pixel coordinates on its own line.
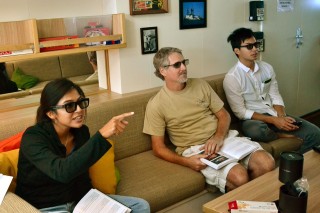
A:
(26, 35)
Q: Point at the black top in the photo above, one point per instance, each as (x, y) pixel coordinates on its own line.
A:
(46, 175)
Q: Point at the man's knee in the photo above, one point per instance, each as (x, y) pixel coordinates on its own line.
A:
(237, 176)
(261, 162)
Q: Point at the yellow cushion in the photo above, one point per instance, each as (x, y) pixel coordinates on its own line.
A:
(104, 175)
(8, 166)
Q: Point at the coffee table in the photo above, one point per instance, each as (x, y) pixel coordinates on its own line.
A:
(266, 188)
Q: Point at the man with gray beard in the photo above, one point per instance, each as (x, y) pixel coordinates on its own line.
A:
(193, 116)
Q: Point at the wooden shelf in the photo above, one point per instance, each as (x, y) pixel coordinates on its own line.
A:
(19, 35)
(62, 52)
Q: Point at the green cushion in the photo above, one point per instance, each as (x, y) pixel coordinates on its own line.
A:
(23, 81)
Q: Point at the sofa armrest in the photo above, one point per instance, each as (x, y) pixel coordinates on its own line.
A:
(13, 203)
(284, 144)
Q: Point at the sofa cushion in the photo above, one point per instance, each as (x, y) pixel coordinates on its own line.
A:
(22, 80)
(17, 124)
(284, 144)
(159, 182)
(71, 63)
(81, 78)
(216, 82)
(45, 69)
(132, 141)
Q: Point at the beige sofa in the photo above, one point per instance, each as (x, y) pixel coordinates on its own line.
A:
(75, 67)
(143, 175)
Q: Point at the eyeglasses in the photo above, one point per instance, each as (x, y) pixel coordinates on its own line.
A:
(72, 106)
(250, 46)
(177, 65)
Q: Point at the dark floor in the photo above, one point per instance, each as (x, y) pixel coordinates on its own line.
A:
(313, 117)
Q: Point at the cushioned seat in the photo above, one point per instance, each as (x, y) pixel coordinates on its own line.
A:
(154, 179)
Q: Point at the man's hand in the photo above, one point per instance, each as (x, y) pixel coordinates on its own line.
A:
(195, 163)
(213, 146)
(285, 123)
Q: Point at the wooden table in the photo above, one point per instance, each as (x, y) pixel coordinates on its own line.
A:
(266, 188)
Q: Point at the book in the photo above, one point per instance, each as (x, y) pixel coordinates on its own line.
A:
(62, 47)
(233, 150)
(241, 206)
(5, 182)
(95, 29)
(96, 201)
(15, 52)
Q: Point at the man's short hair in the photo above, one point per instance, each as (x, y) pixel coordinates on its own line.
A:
(239, 35)
(161, 59)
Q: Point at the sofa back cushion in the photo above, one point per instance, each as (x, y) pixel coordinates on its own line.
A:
(75, 65)
(216, 82)
(44, 69)
(132, 140)
(16, 125)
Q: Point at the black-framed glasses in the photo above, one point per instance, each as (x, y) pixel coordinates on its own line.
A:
(177, 65)
(250, 46)
(72, 106)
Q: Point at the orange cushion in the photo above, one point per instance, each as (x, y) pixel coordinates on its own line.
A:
(11, 143)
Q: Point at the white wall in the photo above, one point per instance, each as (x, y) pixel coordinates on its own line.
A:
(207, 48)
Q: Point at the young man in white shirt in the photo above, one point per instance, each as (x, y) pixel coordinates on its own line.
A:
(252, 92)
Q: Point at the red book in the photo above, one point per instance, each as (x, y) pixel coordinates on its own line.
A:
(46, 49)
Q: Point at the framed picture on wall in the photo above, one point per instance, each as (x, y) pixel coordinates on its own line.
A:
(193, 14)
(141, 7)
(149, 40)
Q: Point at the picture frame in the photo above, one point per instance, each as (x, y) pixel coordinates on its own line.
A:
(149, 40)
(192, 14)
(259, 38)
(141, 7)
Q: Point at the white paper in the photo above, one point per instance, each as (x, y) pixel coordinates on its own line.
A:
(5, 182)
(238, 147)
(96, 201)
(285, 5)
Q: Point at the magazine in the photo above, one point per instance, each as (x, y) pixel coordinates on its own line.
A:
(96, 201)
(233, 150)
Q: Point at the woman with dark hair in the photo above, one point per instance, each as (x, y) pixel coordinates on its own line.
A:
(56, 153)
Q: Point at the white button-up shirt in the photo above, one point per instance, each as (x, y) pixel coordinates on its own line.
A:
(250, 91)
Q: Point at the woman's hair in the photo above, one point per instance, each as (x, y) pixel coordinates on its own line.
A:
(238, 36)
(51, 95)
(161, 59)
